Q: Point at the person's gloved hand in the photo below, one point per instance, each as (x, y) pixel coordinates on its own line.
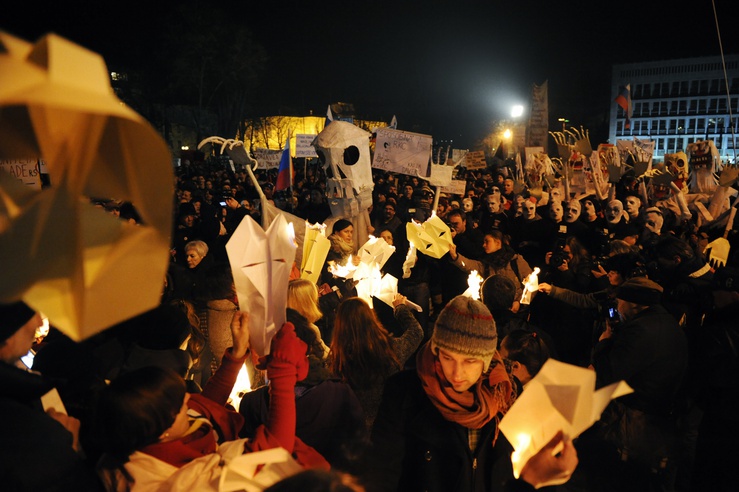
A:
(288, 354)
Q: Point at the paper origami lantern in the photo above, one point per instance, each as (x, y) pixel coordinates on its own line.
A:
(560, 397)
(82, 267)
(431, 238)
(261, 262)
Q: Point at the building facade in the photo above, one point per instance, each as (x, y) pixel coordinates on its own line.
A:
(677, 102)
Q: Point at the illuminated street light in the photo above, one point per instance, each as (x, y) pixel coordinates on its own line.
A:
(516, 111)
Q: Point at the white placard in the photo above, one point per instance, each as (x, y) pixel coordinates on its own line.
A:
(402, 152)
(303, 147)
(26, 170)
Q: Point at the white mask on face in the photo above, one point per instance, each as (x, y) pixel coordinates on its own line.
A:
(614, 211)
(529, 210)
(632, 205)
(572, 211)
(555, 211)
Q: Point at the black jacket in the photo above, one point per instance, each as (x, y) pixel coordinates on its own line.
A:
(416, 448)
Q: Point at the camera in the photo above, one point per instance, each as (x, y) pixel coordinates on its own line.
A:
(559, 256)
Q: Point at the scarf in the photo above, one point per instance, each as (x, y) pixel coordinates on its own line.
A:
(340, 246)
(487, 399)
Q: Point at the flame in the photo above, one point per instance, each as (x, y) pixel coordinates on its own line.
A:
(530, 285)
(474, 281)
(291, 233)
(240, 388)
(522, 444)
(344, 271)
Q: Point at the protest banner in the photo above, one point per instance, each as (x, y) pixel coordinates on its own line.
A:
(268, 158)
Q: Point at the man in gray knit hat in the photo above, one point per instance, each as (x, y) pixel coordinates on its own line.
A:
(437, 427)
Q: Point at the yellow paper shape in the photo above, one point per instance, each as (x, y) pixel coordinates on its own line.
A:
(431, 238)
(315, 249)
(560, 397)
(86, 270)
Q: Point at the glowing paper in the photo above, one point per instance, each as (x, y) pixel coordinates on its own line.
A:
(84, 268)
(530, 285)
(315, 249)
(431, 238)
(261, 262)
(560, 397)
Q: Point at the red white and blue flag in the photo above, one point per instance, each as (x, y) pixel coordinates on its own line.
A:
(285, 171)
(624, 101)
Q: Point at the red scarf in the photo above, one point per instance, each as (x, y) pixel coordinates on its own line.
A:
(489, 398)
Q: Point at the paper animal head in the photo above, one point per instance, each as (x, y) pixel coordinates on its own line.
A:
(343, 150)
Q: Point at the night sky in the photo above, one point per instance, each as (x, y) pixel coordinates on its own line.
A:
(445, 68)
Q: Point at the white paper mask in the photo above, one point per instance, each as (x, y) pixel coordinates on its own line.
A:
(572, 211)
(614, 212)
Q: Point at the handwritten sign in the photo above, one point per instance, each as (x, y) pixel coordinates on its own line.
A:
(26, 170)
(475, 160)
(303, 147)
(402, 152)
(267, 158)
(457, 187)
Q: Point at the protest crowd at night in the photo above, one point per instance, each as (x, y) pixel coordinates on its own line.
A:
(351, 323)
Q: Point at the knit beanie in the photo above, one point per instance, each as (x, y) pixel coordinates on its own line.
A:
(640, 290)
(465, 326)
(12, 317)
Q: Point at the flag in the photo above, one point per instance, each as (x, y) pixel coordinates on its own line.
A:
(329, 116)
(624, 101)
(284, 173)
(393, 123)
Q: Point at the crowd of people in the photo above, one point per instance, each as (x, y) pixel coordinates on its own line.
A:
(390, 398)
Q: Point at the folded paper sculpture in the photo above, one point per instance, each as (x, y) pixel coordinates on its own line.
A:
(315, 249)
(261, 262)
(82, 267)
(560, 397)
(431, 238)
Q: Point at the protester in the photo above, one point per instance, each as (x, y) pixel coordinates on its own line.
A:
(437, 428)
(41, 446)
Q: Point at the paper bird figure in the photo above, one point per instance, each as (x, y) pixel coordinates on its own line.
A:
(375, 250)
(261, 263)
(560, 397)
(388, 289)
(315, 249)
(431, 238)
(85, 269)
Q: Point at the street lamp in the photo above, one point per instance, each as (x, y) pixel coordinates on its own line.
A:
(516, 111)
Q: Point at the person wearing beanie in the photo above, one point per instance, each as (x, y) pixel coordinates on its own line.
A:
(648, 350)
(437, 427)
(41, 448)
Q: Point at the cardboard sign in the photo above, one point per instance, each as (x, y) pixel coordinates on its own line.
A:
(456, 187)
(475, 160)
(402, 152)
(303, 147)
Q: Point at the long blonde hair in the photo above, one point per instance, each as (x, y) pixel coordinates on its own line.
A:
(302, 296)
